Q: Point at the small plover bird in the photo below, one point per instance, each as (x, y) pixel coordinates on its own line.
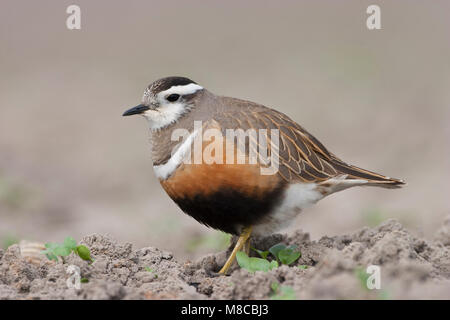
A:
(258, 195)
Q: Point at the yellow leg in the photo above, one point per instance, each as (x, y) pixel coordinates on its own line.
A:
(245, 235)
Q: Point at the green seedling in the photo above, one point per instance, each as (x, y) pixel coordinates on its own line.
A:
(50, 251)
(84, 280)
(285, 254)
(303, 266)
(83, 252)
(384, 295)
(152, 271)
(254, 264)
(282, 253)
(8, 241)
(282, 292)
(362, 276)
(274, 286)
(55, 250)
(274, 250)
(262, 254)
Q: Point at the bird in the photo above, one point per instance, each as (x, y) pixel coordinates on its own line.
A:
(239, 198)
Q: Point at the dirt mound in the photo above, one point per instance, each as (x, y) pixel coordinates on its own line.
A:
(332, 268)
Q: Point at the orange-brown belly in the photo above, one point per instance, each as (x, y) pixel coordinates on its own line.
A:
(224, 196)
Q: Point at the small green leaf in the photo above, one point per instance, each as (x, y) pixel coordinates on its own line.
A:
(284, 293)
(254, 264)
(273, 264)
(50, 255)
(62, 251)
(384, 295)
(8, 240)
(243, 260)
(274, 286)
(84, 280)
(292, 246)
(362, 276)
(55, 250)
(274, 250)
(152, 271)
(288, 256)
(51, 245)
(83, 252)
(285, 255)
(303, 266)
(258, 264)
(262, 254)
(70, 243)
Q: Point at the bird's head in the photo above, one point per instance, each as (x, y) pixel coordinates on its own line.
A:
(166, 100)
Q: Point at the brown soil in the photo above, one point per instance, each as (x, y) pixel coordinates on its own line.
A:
(411, 268)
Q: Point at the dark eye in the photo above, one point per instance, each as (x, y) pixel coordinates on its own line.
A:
(173, 97)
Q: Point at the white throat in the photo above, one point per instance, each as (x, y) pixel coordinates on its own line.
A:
(165, 115)
(167, 112)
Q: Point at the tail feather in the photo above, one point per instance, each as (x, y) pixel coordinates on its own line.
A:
(366, 177)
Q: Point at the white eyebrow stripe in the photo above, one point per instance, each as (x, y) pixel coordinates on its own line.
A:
(181, 90)
(165, 170)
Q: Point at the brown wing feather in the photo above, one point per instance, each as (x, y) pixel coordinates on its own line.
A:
(301, 156)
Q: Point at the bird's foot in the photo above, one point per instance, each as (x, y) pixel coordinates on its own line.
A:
(243, 241)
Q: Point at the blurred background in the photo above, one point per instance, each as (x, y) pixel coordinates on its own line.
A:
(70, 165)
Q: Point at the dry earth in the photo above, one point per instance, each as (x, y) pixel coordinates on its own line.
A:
(411, 268)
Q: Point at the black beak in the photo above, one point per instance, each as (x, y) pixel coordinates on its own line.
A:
(136, 110)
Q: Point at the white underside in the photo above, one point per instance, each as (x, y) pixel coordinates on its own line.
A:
(301, 196)
(296, 198)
